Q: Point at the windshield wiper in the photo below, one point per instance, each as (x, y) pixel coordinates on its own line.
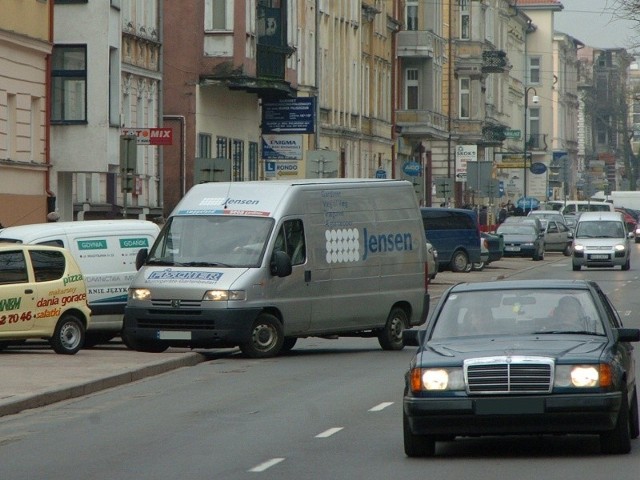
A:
(203, 264)
(575, 332)
(159, 262)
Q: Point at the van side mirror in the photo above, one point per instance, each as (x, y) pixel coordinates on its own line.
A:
(141, 256)
(280, 264)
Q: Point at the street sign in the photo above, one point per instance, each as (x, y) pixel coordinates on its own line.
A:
(513, 134)
(412, 169)
(150, 136)
(464, 154)
(288, 115)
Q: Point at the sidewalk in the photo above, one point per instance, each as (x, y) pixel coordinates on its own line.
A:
(35, 376)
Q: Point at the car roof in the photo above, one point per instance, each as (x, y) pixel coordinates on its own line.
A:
(553, 284)
(595, 216)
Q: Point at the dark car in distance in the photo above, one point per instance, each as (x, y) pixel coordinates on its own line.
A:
(530, 357)
(522, 239)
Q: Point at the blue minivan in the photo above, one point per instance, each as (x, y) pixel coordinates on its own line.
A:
(455, 234)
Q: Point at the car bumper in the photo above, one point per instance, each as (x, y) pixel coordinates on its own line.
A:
(523, 252)
(578, 413)
(204, 328)
(594, 259)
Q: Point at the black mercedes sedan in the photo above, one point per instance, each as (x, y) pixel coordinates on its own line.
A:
(524, 357)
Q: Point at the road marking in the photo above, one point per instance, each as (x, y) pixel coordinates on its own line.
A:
(381, 406)
(328, 433)
(265, 465)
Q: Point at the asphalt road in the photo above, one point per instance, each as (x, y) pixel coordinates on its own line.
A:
(331, 409)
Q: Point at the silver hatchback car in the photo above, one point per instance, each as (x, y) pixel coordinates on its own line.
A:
(601, 240)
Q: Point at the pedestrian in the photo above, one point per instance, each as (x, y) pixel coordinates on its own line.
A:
(502, 214)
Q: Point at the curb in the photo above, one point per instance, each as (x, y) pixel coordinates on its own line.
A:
(86, 388)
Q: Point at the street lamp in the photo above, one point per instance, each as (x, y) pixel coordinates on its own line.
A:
(535, 100)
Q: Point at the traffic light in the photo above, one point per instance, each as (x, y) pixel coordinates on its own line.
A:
(128, 161)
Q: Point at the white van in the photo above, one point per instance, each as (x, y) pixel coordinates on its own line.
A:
(601, 240)
(106, 252)
(260, 264)
(574, 207)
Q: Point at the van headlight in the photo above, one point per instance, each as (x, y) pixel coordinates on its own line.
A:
(578, 248)
(139, 294)
(224, 295)
(619, 248)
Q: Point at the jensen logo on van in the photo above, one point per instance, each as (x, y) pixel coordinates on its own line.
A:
(134, 243)
(228, 201)
(92, 244)
(343, 245)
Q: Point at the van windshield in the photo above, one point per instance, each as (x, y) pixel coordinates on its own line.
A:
(217, 241)
(600, 229)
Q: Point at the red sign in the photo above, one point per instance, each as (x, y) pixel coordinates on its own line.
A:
(151, 136)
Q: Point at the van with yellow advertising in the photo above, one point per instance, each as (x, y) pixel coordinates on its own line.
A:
(42, 295)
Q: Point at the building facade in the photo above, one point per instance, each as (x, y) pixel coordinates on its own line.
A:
(25, 47)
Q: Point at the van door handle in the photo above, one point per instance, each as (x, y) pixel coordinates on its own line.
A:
(28, 290)
(307, 276)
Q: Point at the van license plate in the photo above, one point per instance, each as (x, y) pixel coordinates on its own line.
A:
(599, 257)
(173, 335)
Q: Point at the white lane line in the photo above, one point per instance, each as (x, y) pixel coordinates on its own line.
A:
(265, 465)
(328, 433)
(381, 406)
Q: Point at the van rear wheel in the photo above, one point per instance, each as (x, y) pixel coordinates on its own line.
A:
(390, 337)
(459, 261)
(266, 337)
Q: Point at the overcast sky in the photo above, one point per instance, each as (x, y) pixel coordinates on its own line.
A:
(593, 23)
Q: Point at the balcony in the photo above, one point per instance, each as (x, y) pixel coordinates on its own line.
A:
(494, 61)
(420, 44)
(421, 122)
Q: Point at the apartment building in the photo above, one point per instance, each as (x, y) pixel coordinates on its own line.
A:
(25, 46)
(105, 78)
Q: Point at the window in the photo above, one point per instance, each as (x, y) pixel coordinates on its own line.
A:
(13, 268)
(290, 239)
(215, 15)
(412, 15)
(47, 265)
(204, 145)
(465, 98)
(237, 167)
(534, 70)
(69, 84)
(412, 92)
(253, 161)
(221, 147)
(465, 20)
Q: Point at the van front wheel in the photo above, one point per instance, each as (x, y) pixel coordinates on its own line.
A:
(390, 337)
(266, 338)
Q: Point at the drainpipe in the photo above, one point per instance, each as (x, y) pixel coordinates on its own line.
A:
(51, 197)
(183, 150)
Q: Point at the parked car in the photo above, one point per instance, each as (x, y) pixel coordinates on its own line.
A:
(601, 240)
(455, 233)
(558, 237)
(526, 357)
(432, 260)
(522, 239)
(572, 221)
(548, 215)
(43, 295)
(495, 245)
